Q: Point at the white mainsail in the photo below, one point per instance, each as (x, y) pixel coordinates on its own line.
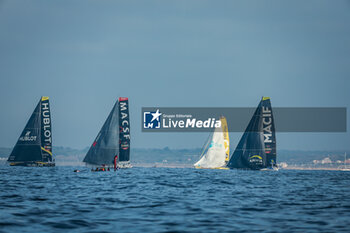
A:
(216, 154)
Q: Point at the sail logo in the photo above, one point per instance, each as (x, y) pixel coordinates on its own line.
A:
(124, 123)
(124, 145)
(267, 124)
(256, 159)
(152, 120)
(27, 137)
(215, 145)
(46, 122)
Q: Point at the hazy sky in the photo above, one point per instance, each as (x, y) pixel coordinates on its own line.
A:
(85, 54)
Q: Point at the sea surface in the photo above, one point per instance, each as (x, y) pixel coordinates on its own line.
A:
(173, 200)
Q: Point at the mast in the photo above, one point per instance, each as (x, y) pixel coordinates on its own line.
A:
(226, 138)
(269, 132)
(46, 135)
(124, 130)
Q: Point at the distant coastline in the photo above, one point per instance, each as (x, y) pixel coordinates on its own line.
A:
(167, 157)
(313, 168)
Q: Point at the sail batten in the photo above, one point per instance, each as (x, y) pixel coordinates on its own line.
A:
(257, 147)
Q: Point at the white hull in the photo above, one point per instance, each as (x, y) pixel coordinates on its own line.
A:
(270, 169)
(220, 168)
(122, 165)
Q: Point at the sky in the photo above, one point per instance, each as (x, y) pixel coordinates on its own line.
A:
(185, 53)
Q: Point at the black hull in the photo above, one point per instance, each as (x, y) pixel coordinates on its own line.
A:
(247, 169)
(32, 164)
(274, 168)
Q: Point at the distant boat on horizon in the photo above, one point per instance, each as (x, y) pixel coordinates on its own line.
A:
(34, 145)
(257, 148)
(216, 151)
(345, 166)
(112, 144)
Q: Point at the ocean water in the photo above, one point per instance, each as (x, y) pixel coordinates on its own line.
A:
(173, 200)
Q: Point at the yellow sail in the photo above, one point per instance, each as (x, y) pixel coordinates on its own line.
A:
(226, 137)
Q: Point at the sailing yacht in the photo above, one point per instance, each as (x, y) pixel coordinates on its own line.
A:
(257, 148)
(34, 145)
(112, 144)
(217, 149)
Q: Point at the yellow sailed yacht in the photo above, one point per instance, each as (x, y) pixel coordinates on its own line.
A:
(215, 154)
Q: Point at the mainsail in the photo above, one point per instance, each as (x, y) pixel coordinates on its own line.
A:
(216, 154)
(257, 147)
(113, 138)
(34, 146)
